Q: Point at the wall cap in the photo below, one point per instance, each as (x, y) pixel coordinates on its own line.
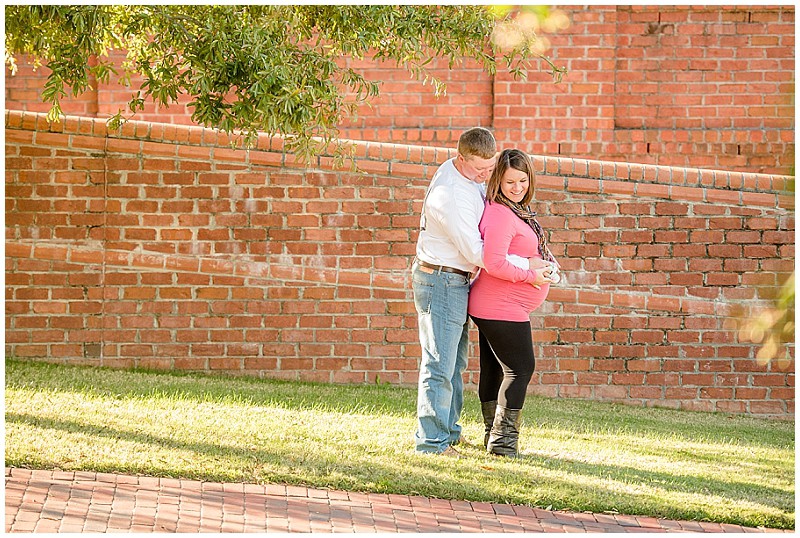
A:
(369, 153)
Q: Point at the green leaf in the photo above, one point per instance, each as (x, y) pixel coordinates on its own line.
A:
(245, 68)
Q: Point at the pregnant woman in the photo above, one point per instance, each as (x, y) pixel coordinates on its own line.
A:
(503, 296)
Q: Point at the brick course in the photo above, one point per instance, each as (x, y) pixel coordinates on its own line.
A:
(162, 247)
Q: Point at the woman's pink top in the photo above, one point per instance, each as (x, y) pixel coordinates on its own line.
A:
(503, 291)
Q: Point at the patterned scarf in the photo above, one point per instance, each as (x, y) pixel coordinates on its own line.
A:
(529, 216)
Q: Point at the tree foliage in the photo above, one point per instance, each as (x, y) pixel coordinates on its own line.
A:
(271, 68)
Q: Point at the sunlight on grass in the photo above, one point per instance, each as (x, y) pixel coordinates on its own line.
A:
(576, 455)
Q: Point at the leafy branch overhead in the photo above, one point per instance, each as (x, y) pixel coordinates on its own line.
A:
(265, 68)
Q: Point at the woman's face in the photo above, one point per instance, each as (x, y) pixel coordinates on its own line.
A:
(514, 184)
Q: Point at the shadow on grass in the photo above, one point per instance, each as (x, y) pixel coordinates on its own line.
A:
(359, 469)
(440, 475)
(138, 384)
(754, 493)
(575, 416)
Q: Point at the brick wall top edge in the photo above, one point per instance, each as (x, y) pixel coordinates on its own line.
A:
(373, 151)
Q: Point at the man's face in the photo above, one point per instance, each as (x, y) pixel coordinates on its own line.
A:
(476, 168)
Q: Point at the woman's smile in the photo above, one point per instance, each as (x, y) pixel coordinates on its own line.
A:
(514, 185)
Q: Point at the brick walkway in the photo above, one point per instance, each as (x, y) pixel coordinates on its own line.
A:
(57, 501)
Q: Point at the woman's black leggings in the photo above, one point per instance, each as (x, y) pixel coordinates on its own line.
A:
(507, 361)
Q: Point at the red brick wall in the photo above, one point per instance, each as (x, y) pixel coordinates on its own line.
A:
(162, 247)
(709, 87)
(699, 86)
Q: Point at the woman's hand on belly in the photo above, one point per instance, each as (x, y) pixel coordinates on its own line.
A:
(542, 277)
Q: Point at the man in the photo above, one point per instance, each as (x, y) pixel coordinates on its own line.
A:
(449, 251)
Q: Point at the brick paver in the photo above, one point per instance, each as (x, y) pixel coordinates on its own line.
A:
(57, 501)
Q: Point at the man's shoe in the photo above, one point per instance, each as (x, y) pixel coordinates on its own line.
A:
(461, 441)
(451, 452)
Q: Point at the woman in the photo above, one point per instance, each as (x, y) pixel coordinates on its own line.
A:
(503, 296)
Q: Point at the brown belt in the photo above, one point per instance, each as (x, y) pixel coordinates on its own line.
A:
(443, 268)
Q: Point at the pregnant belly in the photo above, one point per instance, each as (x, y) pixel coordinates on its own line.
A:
(526, 296)
(491, 298)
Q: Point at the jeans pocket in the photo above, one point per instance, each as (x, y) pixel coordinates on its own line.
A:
(457, 299)
(423, 295)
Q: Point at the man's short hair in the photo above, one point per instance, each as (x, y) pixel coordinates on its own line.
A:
(477, 141)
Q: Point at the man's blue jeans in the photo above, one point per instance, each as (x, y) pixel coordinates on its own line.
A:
(441, 302)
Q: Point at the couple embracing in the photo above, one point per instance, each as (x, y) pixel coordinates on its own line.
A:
(476, 217)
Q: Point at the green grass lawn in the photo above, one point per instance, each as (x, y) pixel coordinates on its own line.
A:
(582, 456)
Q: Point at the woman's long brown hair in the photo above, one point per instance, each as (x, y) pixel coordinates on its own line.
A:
(518, 160)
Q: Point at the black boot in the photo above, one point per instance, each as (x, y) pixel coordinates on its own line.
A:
(488, 409)
(505, 432)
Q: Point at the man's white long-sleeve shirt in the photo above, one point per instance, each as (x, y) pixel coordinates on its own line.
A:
(451, 212)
